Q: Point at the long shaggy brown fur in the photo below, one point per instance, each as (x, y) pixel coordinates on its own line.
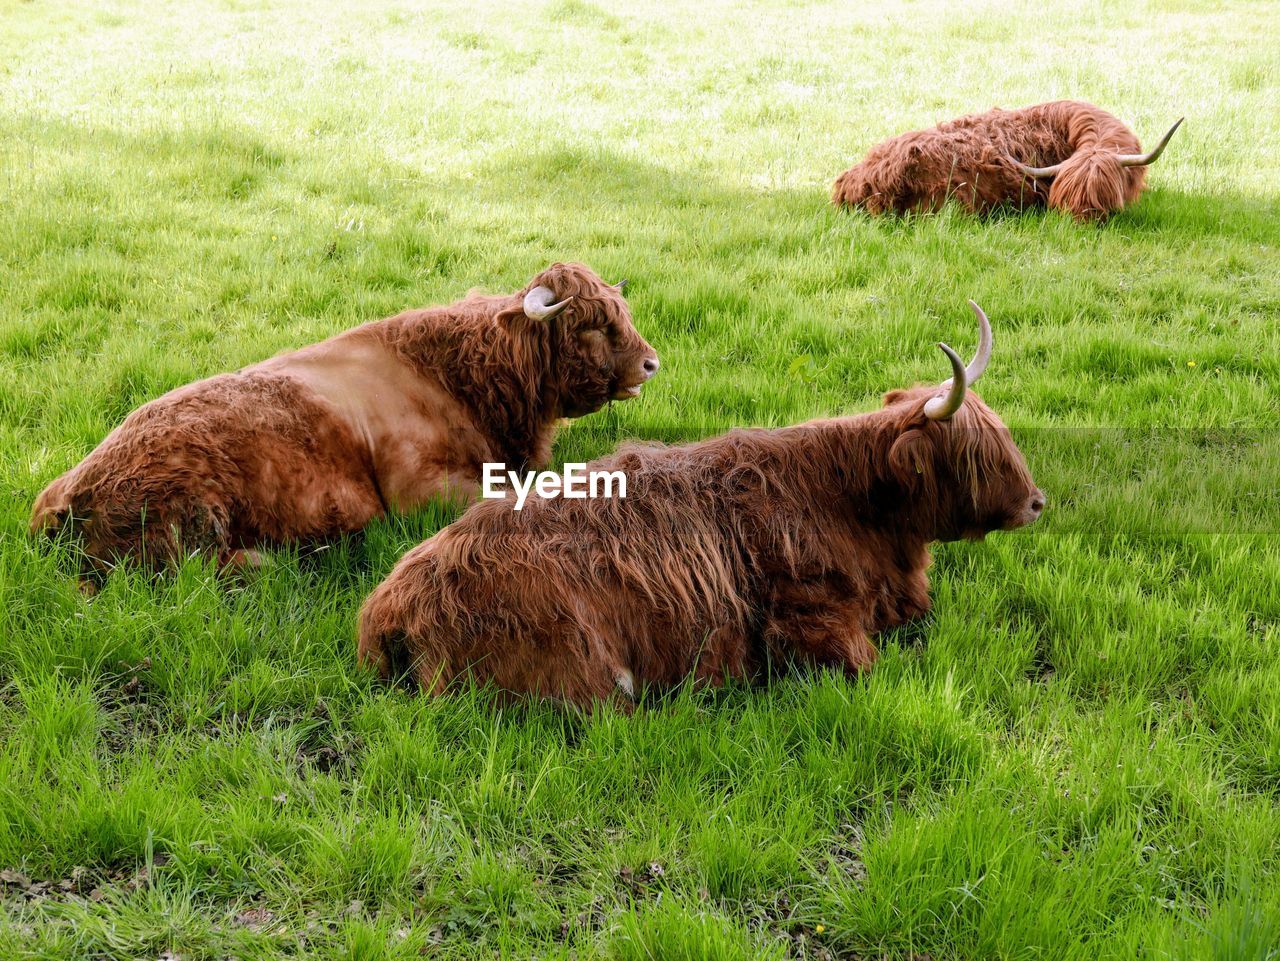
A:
(755, 547)
(969, 159)
(317, 442)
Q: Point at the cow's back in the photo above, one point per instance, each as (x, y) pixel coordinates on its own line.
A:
(574, 598)
(225, 462)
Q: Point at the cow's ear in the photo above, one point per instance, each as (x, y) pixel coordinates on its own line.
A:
(909, 459)
(894, 396)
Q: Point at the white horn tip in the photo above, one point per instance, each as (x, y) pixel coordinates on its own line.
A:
(945, 405)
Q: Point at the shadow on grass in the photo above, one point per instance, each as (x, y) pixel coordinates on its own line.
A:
(228, 164)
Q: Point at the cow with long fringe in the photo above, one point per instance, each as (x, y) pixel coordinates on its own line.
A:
(317, 442)
(1066, 154)
(755, 548)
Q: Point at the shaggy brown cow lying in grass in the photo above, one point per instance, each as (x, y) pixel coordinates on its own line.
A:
(758, 545)
(319, 441)
(1066, 154)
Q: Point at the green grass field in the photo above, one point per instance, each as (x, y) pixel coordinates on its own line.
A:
(1076, 756)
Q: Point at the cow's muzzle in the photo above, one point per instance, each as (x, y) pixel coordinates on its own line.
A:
(648, 367)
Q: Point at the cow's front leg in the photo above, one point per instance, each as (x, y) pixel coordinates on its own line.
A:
(813, 623)
(723, 656)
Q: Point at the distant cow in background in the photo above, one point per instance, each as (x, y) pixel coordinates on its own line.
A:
(754, 547)
(319, 441)
(1069, 155)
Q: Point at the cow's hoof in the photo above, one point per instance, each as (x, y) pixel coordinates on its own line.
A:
(242, 561)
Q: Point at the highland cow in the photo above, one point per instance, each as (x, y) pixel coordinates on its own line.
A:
(319, 441)
(1068, 155)
(728, 557)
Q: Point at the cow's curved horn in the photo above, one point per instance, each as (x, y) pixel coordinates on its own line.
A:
(621, 285)
(1038, 172)
(538, 303)
(940, 408)
(1142, 159)
(945, 406)
(983, 356)
(1126, 159)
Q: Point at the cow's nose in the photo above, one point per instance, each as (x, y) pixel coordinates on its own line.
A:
(1037, 503)
(650, 366)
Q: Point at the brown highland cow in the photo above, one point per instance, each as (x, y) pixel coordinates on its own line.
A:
(752, 548)
(318, 442)
(1066, 154)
